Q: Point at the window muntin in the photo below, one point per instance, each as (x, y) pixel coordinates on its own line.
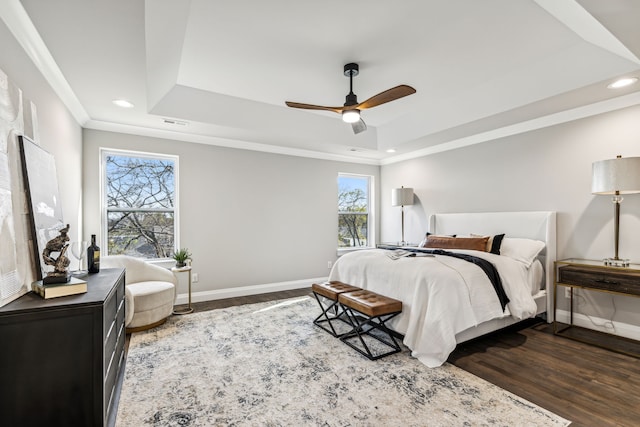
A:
(354, 211)
(139, 204)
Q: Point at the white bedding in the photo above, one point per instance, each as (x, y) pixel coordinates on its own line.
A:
(441, 296)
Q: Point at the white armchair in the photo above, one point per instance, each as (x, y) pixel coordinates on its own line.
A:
(150, 291)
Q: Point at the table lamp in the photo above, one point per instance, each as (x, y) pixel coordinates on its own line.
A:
(616, 177)
(402, 197)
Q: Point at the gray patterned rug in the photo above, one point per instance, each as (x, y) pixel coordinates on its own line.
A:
(267, 365)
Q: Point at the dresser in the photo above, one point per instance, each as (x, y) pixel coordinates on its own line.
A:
(60, 358)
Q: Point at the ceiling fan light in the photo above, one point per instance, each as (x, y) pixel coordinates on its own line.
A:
(350, 116)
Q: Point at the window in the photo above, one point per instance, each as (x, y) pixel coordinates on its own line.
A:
(139, 212)
(354, 211)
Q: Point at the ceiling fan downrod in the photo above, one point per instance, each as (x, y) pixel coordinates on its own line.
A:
(351, 70)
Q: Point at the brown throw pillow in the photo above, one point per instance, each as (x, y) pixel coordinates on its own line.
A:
(494, 243)
(474, 243)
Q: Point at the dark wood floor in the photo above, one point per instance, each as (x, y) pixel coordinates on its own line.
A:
(587, 385)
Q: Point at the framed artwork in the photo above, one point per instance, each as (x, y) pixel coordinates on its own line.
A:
(45, 209)
(15, 264)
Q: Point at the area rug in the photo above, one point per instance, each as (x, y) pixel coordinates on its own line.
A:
(266, 364)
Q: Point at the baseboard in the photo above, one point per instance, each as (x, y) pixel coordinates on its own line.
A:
(242, 291)
(590, 322)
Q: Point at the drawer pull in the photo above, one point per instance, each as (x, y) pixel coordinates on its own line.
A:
(608, 282)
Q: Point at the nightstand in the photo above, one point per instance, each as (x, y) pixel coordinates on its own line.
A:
(595, 276)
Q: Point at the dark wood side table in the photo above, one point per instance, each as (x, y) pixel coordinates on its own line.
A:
(595, 276)
(61, 357)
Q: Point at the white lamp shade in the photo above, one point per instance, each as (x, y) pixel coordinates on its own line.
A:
(401, 196)
(620, 174)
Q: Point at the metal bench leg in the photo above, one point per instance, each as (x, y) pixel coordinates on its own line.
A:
(375, 322)
(329, 313)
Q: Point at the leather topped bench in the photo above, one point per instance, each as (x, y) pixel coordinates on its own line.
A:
(373, 310)
(333, 311)
(332, 289)
(370, 303)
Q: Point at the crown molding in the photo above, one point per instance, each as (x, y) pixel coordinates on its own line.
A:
(578, 113)
(16, 19)
(223, 142)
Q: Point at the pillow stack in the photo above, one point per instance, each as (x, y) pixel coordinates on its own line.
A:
(523, 250)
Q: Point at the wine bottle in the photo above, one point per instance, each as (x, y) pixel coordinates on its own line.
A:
(93, 256)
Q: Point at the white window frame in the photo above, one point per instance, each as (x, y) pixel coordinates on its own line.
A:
(104, 152)
(371, 238)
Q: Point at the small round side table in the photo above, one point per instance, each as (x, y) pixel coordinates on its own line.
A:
(187, 309)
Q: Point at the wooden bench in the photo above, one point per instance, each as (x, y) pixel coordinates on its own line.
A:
(373, 310)
(330, 291)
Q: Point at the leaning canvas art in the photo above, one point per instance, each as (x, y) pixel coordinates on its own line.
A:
(11, 281)
(45, 211)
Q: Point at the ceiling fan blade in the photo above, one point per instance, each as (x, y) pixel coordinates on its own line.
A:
(387, 96)
(313, 107)
(358, 126)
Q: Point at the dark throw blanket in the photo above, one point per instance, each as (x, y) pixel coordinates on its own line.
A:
(486, 266)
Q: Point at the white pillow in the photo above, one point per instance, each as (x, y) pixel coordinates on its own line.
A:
(523, 250)
(535, 277)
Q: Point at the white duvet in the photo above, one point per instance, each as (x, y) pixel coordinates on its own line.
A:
(441, 296)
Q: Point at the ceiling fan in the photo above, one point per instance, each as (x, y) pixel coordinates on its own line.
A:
(351, 109)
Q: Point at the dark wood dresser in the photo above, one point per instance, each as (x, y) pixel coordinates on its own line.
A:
(60, 358)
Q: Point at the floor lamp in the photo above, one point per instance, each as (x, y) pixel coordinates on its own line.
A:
(616, 177)
(402, 197)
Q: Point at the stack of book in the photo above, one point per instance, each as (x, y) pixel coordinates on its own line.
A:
(72, 287)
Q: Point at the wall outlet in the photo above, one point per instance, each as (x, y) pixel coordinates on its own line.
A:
(329, 263)
(195, 277)
(567, 292)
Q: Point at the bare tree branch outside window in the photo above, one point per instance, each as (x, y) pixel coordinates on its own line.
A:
(353, 211)
(140, 199)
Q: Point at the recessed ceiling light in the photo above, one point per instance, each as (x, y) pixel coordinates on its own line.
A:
(626, 81)
(391, 150)
(174, 122)
(122, 103)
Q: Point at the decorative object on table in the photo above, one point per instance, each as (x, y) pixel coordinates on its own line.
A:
(45, 208)
(181, 256)
(72, 287)
(402, 197)
(78, 250)
(93, 256)
(616, 177)
(58, 244)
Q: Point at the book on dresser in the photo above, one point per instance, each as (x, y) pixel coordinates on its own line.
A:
(72, 287)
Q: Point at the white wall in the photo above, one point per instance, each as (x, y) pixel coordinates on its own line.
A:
(249, 218)
(547, 169)
(59, 133)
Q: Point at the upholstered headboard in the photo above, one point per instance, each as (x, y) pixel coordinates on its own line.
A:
(530, 225)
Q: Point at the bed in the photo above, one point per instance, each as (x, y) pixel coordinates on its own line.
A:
(448, 300)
